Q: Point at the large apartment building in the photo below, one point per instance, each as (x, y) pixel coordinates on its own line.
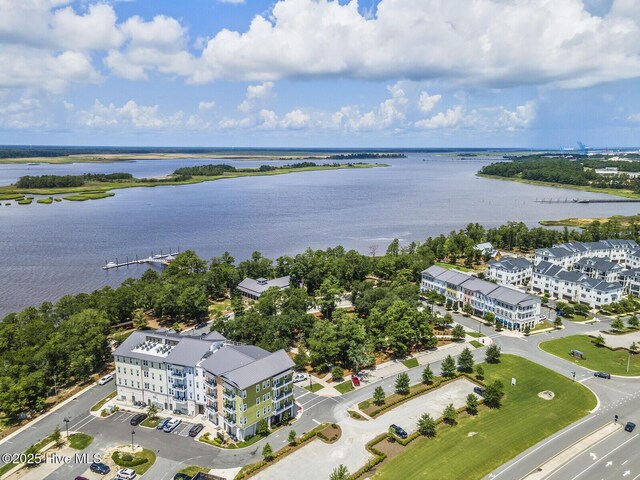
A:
(567, 254)
(514, 308)
(510, 270)
(234, 386)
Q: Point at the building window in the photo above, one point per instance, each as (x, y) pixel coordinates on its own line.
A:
(258, 401)
(258, 414)
(257, 387)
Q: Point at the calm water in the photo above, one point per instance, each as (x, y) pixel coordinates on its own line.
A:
(47, 251)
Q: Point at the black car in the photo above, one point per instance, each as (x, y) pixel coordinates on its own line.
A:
(399, 431)
(196, 429)
(630, 426)
(138, 419)
(100, 468)
(602, 375)
(479, 391)
(181, 476)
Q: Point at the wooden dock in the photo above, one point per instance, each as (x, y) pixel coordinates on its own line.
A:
(158, 259)
(588, 200)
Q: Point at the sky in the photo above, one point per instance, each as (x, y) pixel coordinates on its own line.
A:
(320, 73)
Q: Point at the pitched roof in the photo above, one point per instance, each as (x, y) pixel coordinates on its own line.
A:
(434, 270)
(481, 286)
(510, 263)
(188, 352)
(511, 296)
(259, 370)
(598, 263)
(259, 286)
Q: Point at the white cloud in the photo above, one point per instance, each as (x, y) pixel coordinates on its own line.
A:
(295, 120)
(482, 119)
(427, 102)
(521, 117)
(256, 94)
(204, 106)
(128, 115)
(94, 30)
(268, 119)
(449, 119)
(491, 42)
(26, 112)
(635, 118)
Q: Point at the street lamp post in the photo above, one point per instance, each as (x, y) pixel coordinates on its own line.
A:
(133, 432)
(66, 422)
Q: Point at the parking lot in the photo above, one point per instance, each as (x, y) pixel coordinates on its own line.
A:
(125, 417)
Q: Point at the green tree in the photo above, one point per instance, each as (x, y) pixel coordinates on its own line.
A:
(152, 410)
(493, 354)
(493, 394)
(328, 295)
(427, 425)
(450, 415)
(458, 332)
(267, 452)
(427, 375)
(176, 326)
(340, 473)
(479, 372)
(402, 383)
(140, 321)
(468, 309)
(337, 373)
(301, 359)
(465, 360)
(31, 454)
(379, 395)
(292, 437)
(472, 404)
(489, 318)
(557, 322)
(599, 341)
(617, 324)
(448, 366)
(56, 435)
(263, 428)
(634, 347)
(527, 330)
(633, 321)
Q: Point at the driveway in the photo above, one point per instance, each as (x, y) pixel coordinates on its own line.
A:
(321, 458)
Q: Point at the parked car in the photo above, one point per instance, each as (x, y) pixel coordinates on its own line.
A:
(137, 419)
(127, 474)
(81, 478)
(163, 422)
(299, 377)
(98, 467)
(630, 426)
(181, 476)
(196, 429)
(105, 379)
(479, 391)
(396, 430)
(171, 426)
(355, 380)
(602, 375)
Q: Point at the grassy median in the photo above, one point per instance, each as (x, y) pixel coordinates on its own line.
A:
(596, 358)
(480, 444)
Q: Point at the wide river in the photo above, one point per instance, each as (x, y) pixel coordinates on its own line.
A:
(47, 251)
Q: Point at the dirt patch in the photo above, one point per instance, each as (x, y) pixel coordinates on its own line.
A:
(390, 447)
(472, 434)
(547, 395)
(330, 434)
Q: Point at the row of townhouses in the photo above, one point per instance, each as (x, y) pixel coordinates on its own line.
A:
(510, 270)
(514, 308)
(567, 254)
(234, 386)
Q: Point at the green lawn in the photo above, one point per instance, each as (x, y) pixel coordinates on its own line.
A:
(193, 470)
(345, 387)
(99, 405)
(314, 387)
(80, 441)
(475, 334)
(578, 318)
(476, 344)
(151, 422)
(450, 266)
(411, 363)
(522, 421)
(596, 358)
(147, 457)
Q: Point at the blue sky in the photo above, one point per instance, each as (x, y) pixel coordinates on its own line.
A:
(380, 73)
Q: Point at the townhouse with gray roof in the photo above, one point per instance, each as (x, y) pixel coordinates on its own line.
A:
(567, 254)
(510, 270)
(514, 308)
(233, 386)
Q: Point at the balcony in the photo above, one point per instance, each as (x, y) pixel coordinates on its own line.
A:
(282, 394)
(210, 381)
(178, 374)
(281, 407)
(179, 397)
(281, 382)
(229, 418)
(229, 406)
(182, 387)
(212, 406)
(212, 394)
(229, 394)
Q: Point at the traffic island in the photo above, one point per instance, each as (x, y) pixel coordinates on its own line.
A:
(139, 459)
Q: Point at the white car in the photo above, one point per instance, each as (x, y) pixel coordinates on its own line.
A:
(105, 379)
(127, 474)
(172, 425)
(299, 377)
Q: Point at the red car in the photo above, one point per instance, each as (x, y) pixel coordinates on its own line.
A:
(355, 380)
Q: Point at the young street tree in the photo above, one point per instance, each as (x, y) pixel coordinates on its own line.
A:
(599, 341)
(493, 354)
(337, 373)
(479, 372)
(267, 452)
(152, 410)
(402, 383)
(465, 360)
(557, 322)
(450, 415)
(634, 347)
(427, 425)
(633, 321)
(427, 375)
(379, 395)
(472, 404)
(339, 473)
(292, 437)
(490, 318)
(493, 394)
(617, 324)
(448, 366)
(458, 332)
(468, 309)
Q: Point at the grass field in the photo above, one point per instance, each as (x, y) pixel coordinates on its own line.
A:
(80, 441)
(345, 387)
(596, 358)
(499, 435)
(476, 344)
(450, 266)
(411, 363)
(99, 405)
(145, 455)
(314, 387)
(624, 221)
(193, 470)
(151, 422)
